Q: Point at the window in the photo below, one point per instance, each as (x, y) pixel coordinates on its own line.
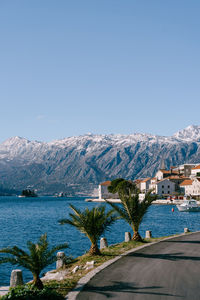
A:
(163, 186)
(168, 186)
(168, 192)
(162, 192)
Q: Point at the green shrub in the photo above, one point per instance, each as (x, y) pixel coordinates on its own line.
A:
(28, 292)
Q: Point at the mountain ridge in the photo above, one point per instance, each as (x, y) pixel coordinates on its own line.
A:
(78, 164)
(184, 134)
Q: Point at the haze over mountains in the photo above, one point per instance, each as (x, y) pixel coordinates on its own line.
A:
(78, 164)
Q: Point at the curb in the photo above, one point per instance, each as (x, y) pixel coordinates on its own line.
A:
(85, 279)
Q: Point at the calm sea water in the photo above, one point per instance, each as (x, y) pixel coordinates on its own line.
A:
(23, 219)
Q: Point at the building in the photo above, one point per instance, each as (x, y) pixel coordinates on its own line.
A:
(177, 180)
(144, 185)
(164, 187)
(195, 171)
(104, 193)
(176, 175)
(152, 185)
(161, 174)
(185, 169)
(137, 182)
(191, 187)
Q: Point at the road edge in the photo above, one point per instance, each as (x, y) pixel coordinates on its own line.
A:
(85, 279)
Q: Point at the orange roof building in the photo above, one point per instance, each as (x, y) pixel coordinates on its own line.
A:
(195, 170)
(104, 193)
(145, 179)
(197, 167)
(106, 183)
(186, 182)
(191, 186)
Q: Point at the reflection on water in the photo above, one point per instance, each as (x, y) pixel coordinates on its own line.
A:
(23, 219)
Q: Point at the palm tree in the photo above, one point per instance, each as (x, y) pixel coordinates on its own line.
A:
(91, 222)
(132, 210)
(39, 257)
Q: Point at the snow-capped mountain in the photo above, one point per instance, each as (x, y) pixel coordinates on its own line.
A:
(80, 163)
(190, 134)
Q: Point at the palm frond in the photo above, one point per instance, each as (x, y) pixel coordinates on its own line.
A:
(11, 260)
(131, 209)
(91, 222)
(120, 209)
(40, 255)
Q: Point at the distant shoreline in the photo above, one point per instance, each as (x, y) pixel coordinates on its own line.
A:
(158, 201)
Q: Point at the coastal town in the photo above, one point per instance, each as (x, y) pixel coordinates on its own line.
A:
(100, 150)
(167, 184)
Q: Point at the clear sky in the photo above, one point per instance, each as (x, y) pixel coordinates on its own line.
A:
(108, 66)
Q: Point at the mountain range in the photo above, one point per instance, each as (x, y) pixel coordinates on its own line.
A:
(76, 165)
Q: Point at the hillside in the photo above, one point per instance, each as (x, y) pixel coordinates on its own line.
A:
(78, 164)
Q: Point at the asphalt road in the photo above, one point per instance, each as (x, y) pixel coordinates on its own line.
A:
(167, 270)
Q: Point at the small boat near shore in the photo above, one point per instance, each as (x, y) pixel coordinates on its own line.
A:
(189, 205)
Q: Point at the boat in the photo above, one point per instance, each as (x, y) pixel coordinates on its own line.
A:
(60, 195)
(189, 205)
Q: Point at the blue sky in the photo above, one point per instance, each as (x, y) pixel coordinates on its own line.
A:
(72, 67)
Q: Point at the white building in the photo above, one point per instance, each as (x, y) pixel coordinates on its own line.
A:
(191, 187)
(164, 187)
(104, 193)
(152, 185)
(195, 170)
(144, 185)
(161, 174)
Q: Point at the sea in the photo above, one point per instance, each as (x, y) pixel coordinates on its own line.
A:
(26, 219)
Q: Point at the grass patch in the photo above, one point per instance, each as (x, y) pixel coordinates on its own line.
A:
(65, 286)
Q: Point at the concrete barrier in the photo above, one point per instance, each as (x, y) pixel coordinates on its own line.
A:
(127, 236)
(103, 243)
(16, 278)
(60, 263)
(186, 230)
(148, 234)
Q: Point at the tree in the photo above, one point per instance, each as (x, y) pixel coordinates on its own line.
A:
(91, 222)
(122, 186)
(132, 210)
(29, 193)
(39, 257)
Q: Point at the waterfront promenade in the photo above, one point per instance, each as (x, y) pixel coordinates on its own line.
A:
(166, 270)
